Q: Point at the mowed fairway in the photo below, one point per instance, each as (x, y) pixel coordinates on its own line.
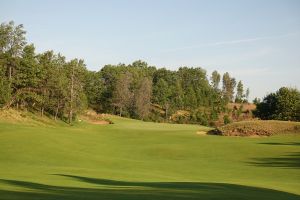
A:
(139, 160)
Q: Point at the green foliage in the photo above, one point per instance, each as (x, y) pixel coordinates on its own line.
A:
(256, 101)
(27, 70)
(142, 98)
(93, 87)
(5, 92)
(122, 95)
(48, 83)
(240, 111)
(161, 92)
(202, 118)
(226, 119)
(282, 105)
(12, 41)
(42, 82)
(247, 95)
(239, 92)
(215, 80)
(190, 99)
(229, 84)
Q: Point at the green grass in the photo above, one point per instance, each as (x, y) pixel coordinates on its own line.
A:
(139, 160)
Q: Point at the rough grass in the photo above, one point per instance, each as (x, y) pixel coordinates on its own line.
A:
(92, 117)
(258, 128)
(25, 117)
(141, 160)
(246, 106)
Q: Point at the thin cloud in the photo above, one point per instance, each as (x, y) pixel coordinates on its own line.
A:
(231, 42)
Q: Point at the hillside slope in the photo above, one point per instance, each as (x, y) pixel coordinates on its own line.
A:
(258, 128)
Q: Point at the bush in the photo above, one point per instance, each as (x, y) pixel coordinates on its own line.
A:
(226, 119)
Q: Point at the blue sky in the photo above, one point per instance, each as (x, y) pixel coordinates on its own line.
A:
(257, 41)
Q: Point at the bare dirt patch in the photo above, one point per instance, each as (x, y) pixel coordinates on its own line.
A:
(202, 133)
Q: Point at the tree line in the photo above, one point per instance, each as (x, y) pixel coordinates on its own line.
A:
(48, 83)
(284, 104)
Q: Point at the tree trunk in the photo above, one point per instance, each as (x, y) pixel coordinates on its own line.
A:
(166, 113)
(42, 108)
(70, 116)
(56, 111)
(9, 82)
(166, 110)
(42, 111)
(10, 73)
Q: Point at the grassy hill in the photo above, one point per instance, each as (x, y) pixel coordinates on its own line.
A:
(131, 159)
(258, 128)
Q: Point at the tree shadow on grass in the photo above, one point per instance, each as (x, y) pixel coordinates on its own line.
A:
(291, 160)
(111, 189)
(281, 143)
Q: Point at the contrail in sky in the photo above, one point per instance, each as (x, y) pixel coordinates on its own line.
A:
(231, 42)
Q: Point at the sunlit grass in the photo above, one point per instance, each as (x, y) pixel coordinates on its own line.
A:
(131, 159)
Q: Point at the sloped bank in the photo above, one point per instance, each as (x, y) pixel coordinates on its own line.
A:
(92, 117)
(257, 128)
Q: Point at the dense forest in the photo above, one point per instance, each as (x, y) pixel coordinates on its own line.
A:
(51, 85)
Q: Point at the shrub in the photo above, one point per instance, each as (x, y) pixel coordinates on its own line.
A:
(226, 119)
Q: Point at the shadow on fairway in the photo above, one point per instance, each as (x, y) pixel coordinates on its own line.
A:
(110, 189)
(291, 160)
(281, 143)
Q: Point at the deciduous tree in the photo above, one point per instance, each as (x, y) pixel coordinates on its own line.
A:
(122, 95)
(143, 98)
(229, 84)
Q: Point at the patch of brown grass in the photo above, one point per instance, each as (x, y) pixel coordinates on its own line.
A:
(246, 106)
(24, 117)
(92, 117)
